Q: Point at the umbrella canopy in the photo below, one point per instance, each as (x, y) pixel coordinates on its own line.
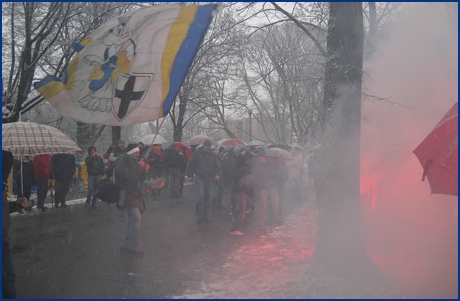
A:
(188, 150)
(199, 139)
(230, 143)
(147, 139)
(255, 143)
(277, 152)
(280, 145)
(438, 154)
(31, 139)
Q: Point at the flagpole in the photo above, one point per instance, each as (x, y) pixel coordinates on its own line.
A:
(156, 134)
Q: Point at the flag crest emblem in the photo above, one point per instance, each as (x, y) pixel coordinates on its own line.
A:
(130, 69)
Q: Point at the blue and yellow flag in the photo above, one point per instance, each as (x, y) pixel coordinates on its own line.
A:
(130, 69)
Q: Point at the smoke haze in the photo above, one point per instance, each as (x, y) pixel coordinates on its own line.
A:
(416, 68)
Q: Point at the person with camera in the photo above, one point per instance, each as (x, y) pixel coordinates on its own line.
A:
(95, 168)
(130, 171)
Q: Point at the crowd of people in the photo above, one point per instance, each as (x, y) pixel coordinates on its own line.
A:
(248, 173)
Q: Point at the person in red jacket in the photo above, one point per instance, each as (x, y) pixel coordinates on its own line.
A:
(42, 171)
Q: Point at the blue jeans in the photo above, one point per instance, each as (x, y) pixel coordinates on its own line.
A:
(133, 228)
(204, 190)
(92, 183)
(8, 275)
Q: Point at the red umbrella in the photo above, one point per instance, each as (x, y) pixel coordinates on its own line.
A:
(438, 154)
(188, 150)
(230, 142)
(199, 139)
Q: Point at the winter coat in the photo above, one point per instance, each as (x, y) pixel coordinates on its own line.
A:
(63, 166)
(27, 173)
(42, 166)
(224, 167)
(117, 152)
(173, 158)
(130, 175)
(203, 164)
(95, 166)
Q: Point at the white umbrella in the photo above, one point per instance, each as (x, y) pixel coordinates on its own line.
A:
(275, 152)
(147, 139)
(255, 143)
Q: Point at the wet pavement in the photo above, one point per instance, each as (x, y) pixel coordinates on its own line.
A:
(73, 252)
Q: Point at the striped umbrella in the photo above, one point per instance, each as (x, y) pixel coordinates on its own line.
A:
(31, 139)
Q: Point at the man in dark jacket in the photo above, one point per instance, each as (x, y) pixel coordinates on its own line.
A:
(266, 171)
(24, 177)
(129, 172)
(8, 275)
(95, 168)
(173, 161)
(223, 162)
(183, 168)
(203, 164)
(63, 170)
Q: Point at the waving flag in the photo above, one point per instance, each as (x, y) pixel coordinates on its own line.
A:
(130, 69)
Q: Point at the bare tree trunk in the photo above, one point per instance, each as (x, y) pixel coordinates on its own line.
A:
(340, 240)
(116, 135)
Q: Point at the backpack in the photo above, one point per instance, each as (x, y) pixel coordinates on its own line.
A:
(107, 191)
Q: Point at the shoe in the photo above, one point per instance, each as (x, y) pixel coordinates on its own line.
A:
(56, 206)
(87, 205)
(94, 205)
(236, 233)
(43, 208)
(63, 205)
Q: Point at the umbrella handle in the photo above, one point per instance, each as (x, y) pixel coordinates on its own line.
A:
(425, 169)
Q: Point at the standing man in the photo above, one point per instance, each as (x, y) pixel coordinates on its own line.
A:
(206, 169)
(63, 170)
(266, 171)
(294, 168)
(8, 275)
(42, 171)
(223, 162)
(24, 177)
(95, 168)
(117, 151)
(129, 171)
(183, 168)
(173, 164)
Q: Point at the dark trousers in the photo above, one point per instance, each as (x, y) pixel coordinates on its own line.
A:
(175, 181)
(239, 214)
(61, 188)
(25, 191)
(42, 190)
(8, 275)
(220, 193)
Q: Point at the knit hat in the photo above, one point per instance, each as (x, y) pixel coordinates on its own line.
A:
(221, 149)
(132, 148)
(237, 149)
